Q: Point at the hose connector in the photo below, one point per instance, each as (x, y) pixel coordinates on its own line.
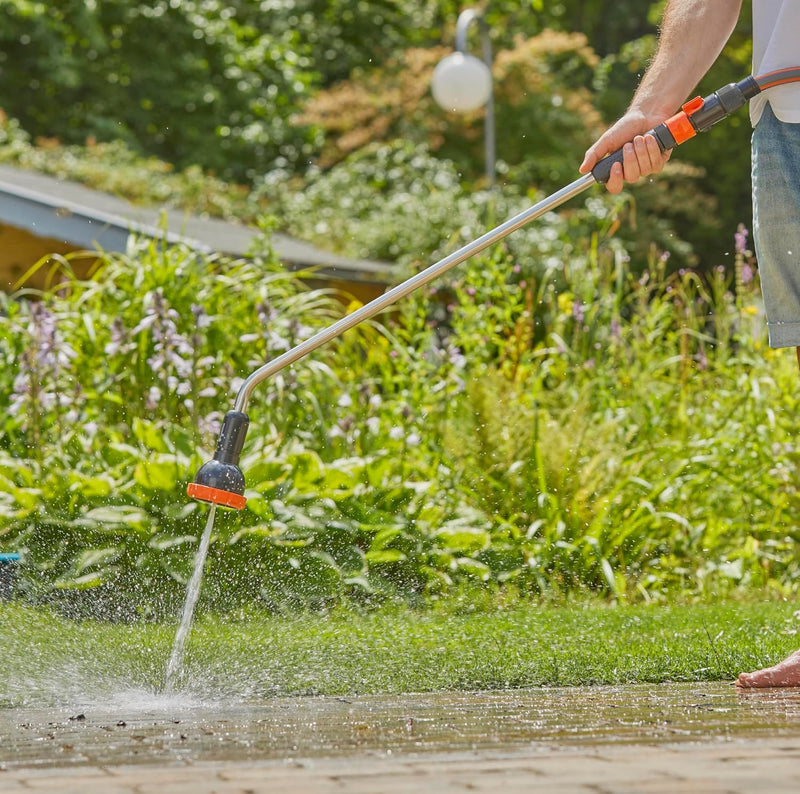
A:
(220, 481)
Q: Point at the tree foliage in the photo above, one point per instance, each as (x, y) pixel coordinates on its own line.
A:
(190, 81)
(248, 87)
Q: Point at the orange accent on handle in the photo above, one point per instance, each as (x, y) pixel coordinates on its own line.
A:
(205, 493)
(692, 105)
(680, 127)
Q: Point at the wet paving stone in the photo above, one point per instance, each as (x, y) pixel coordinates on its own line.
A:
(143, 728)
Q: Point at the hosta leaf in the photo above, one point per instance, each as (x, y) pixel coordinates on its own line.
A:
(162, 542)
(161, 473)
(384, 555)
(150, 435)
(91, 558)
(118, 514)
(463, 539)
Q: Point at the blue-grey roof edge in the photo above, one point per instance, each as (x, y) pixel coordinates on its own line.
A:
(80, 216)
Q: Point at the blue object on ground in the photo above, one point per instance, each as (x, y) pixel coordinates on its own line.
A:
(8, 574)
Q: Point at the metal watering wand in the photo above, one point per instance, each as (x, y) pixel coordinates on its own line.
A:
(221, 482)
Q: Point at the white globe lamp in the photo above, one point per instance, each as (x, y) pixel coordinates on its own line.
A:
(461, 83)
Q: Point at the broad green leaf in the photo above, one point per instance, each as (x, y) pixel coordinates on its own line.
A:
(160, 473)
(306, 470)
(118, 514)
(463, 539)
(91, 558)
(163, 542)
(385, 537)
(27, 498)
(150, 435)
(92, 487)
(384, 555)
(474, 567)
(84, 582)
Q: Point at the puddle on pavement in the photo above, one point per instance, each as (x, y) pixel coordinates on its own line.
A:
(139, 727)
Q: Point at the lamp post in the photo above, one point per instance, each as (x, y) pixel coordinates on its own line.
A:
(462, 82)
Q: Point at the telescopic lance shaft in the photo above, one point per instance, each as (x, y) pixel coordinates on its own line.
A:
(407, 287)
(697, 115)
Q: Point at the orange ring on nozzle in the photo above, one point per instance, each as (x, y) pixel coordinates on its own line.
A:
(681, 126)
(216, 496)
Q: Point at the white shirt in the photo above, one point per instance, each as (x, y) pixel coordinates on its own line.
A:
(776, 45)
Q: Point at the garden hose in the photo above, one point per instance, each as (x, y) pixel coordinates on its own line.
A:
(221, 482)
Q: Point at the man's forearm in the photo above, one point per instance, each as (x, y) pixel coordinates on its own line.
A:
(693, 33)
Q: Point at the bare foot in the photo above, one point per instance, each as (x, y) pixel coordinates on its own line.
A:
(785, 673)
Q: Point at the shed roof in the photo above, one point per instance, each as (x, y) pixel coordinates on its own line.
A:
(58, 209)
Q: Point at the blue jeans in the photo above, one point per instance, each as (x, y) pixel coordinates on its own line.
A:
(776, 224)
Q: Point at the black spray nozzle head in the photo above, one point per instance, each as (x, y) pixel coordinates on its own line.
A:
(220, 481)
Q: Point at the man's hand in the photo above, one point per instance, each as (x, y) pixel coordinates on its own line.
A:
(641, 154)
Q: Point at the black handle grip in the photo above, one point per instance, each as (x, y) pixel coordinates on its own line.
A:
(602, 171)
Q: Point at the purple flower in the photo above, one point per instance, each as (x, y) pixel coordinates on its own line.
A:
(456, 358)
(20, 392)
(119, 339)
(177, 386)
(173, 352)
(153, 398)
(578, 311)
(45, 357)
(210, 425)
(449, 355)
(347, 423)
(702, 359)
(51, 352)
(201, 318)
(740, 239)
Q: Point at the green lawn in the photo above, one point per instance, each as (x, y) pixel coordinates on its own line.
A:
(44, 657)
